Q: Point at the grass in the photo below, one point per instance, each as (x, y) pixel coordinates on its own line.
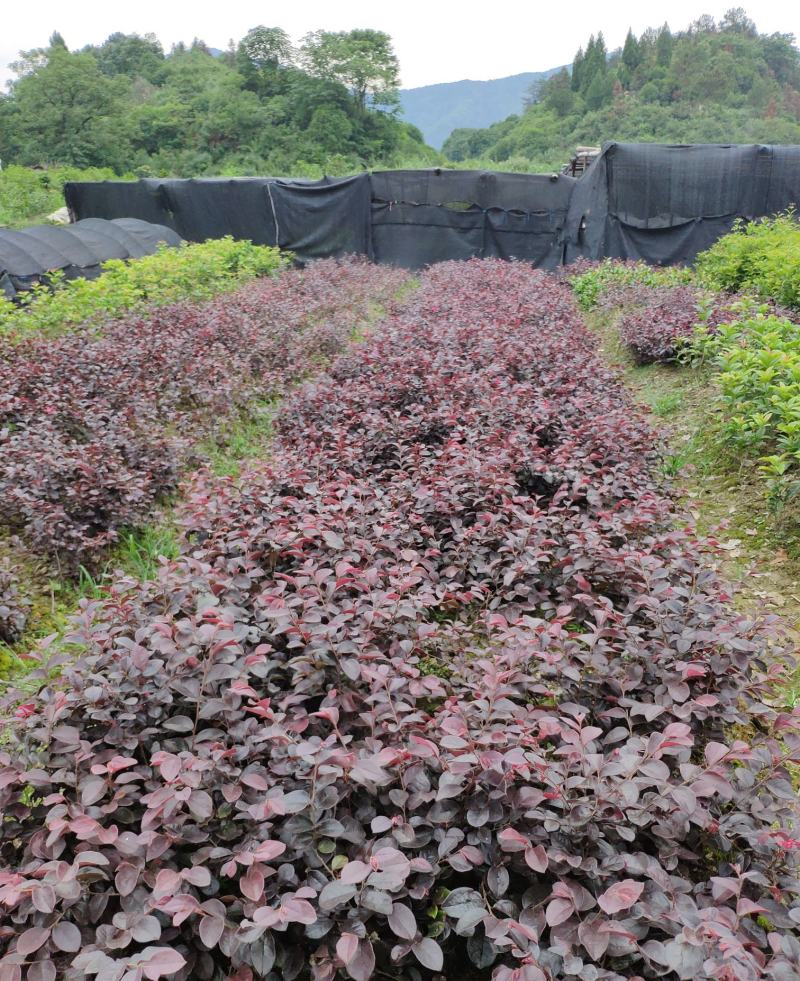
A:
(724, 498)
(246, 438)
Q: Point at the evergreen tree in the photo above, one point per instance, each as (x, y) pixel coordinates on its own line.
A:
(577, 71)
(631, 52)
(664, 46)
(557, 94)
(600, 91)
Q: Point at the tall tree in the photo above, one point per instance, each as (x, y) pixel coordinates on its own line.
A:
(68, 112)
(556, 93)
(664, 46)
(362, 60)
(130, 55)
(736, 21)
(268, 48)
(631, 52)
(577, 70)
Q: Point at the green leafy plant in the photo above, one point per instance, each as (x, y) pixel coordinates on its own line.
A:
(759, 256)
(193, 272)
(757, 359)
(593, 280)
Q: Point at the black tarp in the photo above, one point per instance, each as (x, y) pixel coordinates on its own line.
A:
(645, 201)
(312, 218)
(330, 217)
(424, 216)
(211, 208)
(664, 204)
(27, 256)
(143, 199)
(416, 235)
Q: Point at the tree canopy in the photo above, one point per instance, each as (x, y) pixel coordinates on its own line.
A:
(362, 60)
(260, 107)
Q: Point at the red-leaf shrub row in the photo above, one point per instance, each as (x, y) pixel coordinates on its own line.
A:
(93, 430)
(437, 685)
(658, 319)
(13, 607)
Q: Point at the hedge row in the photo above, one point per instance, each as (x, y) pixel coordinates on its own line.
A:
(760, 257)
(192, 272)
(95, 429)
(438, 683)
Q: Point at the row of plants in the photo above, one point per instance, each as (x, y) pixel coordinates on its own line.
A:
(192, 272)
(96, 429)
(736, 319)
(760, 257)
(610, 282)
(438, 682)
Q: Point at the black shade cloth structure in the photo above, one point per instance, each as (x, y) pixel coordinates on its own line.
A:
(659, 203)
(325, 218)
(425, 216)
(313, 219)
(404, 217)
(664, 204)
(27, 256)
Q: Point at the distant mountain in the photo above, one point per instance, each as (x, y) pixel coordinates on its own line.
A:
(439, 109)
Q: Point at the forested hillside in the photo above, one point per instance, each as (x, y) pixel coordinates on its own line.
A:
(713, 82)
(262, 106)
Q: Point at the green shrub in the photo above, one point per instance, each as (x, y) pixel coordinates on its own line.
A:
(758, 361)
(192, 272)
(761, 256)
(28, 196)
(614, 276)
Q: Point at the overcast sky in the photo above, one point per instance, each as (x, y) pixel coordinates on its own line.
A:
(435, 40)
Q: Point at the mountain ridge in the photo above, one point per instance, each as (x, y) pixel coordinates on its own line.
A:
(439, 108)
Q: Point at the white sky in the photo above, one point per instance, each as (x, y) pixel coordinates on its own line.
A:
(435, 40)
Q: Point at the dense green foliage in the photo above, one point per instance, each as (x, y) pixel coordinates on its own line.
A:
(760, 256)
(758, 355)
(758, 363)
(590, 281)
(192, 272)
(261, 107)
(714, 82)
(28, 196)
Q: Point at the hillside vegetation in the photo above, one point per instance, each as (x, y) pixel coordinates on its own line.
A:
(261, 107)
(28, 196)
(713, 82)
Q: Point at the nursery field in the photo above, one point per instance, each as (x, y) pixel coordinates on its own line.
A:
(436, 680)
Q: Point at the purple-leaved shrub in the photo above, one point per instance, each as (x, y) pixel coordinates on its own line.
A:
(13, 607)
(658, 320)
(94, 429)
(439, 683)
